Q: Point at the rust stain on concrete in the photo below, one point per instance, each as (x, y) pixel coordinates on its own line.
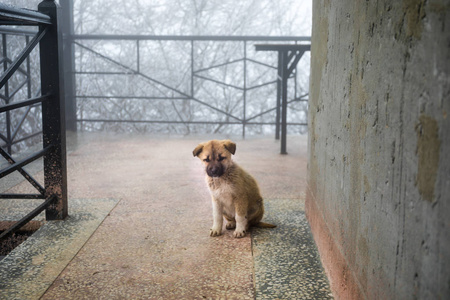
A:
(428, 148)
(414, 13)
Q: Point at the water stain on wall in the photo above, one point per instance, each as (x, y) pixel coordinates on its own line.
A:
(414, 13)
(428, 148)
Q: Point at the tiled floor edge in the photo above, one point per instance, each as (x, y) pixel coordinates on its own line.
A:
(29, 270)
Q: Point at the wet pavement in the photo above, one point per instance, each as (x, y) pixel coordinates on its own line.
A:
(139, 222)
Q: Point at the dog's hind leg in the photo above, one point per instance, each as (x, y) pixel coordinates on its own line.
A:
(241, 226)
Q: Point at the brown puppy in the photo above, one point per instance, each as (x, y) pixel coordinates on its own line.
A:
(235, 193)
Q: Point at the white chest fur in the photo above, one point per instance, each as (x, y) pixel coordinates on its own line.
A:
(222, 192)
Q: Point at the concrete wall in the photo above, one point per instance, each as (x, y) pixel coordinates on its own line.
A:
(379, 146)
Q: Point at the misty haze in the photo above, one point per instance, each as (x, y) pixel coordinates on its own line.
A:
(173, 68)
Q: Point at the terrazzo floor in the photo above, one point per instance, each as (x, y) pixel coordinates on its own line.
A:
(152, 238)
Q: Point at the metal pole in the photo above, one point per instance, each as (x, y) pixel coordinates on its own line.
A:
(192, 68)
(69, 64)
(53, 114)
(27, 39)
(8, 114)
(285, 75)
(244, 119)
(138, 57)
(278, 104)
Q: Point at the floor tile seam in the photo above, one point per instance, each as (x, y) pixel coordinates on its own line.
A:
(52, 223)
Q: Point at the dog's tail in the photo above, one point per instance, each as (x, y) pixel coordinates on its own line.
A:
(264, 225)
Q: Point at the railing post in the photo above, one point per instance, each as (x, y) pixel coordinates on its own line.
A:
(285, 76)
(53, 113)
(8, 115)
(69, 64)
(244, 118)
(278, 104)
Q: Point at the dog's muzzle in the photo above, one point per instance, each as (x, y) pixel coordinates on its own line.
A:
(215, 170)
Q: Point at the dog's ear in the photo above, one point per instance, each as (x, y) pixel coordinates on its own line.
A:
(198, 150)
(230, 146)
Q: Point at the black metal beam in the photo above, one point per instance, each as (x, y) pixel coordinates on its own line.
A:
(18, 165)
(17, 31)
(28, 217)
(286, 52)
(191, 38)
(69, 64)
(131, 97)
(283, 47)
(53, 113)
(24, 173)
(184, 122)
(22, 196)
(10, 15)
(20, 104)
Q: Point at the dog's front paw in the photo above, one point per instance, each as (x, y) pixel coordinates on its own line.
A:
(239, 233)
(215, 231)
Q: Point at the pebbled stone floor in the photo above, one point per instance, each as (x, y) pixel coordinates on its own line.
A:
(287, 264)
(155, 244)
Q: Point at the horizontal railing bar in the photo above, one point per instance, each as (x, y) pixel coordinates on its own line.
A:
(105, 73)
(22, 196)
(28, 217)
(20, 104)
(16, 31)
(190, 37)
(131, 97)
(285, 47)
(182, 122)
(273, 123)
(20, 164)
(154, 121)
(22, 16)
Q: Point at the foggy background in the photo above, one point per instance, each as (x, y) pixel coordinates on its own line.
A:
(106, 69)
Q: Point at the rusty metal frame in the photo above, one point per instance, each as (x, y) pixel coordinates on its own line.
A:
(48, 37)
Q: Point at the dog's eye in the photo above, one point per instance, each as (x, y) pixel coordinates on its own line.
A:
(221, 158)
(206, 159)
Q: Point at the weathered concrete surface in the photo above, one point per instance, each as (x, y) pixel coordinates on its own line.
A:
(155, 243)
(379, 144)
(28, 271)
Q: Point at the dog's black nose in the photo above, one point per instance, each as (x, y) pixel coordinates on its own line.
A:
(215, 170)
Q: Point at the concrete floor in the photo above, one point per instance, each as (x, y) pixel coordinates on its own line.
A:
(147, 214)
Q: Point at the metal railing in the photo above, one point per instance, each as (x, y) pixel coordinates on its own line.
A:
(51, 100)
(197, 77)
